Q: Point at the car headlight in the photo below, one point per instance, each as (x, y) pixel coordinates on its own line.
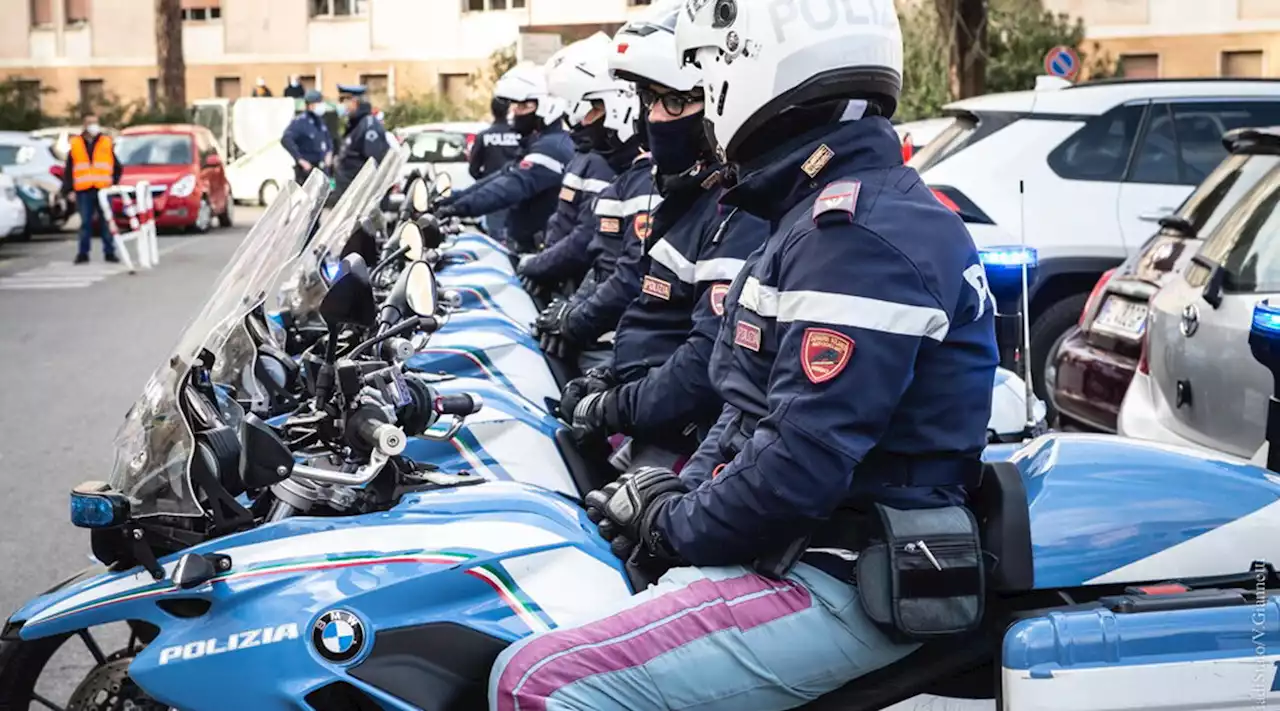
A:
(32, 191)
(183, 188)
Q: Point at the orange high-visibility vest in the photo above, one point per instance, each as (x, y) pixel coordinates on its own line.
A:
(87, 174)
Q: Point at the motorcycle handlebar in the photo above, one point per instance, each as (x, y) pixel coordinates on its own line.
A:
(379, 435)
(460, 405)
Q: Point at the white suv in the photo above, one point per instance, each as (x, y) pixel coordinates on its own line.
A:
(1091, 167)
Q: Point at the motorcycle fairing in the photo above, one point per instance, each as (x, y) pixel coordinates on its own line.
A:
(1115, 510)
(491, 349)
(490, 289)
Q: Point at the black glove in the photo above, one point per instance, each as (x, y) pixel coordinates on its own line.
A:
(626, 511)
(596, 380)
(596, 414)
(552, 318)
(445, 211)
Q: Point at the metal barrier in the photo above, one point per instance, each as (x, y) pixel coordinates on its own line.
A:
(141, 214)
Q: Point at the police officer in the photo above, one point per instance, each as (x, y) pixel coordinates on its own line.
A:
(494, 149)
(529, 187)
(856, 361)
(307, 138)
(665, 337)
(575, 72)
(585, 323)
(364, 137)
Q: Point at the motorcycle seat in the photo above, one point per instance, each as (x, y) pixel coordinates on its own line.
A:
(999, 502)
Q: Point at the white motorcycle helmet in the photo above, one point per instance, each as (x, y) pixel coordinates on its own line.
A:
(582, 75)
(527, 82)
(760, 57)
(644, 51)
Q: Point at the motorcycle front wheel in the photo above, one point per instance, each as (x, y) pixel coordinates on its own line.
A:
(31, 673)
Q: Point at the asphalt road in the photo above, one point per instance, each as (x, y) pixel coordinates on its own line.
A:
(77, 344)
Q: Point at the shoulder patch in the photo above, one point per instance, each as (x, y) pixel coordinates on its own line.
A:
(657, 288)
(568, 194)
(642, 226)
(717, 294)
(824, 353)
(838, 197)
(371, 135)
(818, 160)
(747, 335)
(610, 225)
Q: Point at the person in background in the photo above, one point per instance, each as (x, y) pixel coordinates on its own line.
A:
(294, 90)
(91, 166)
(365, 137)
(307, 139)
(495, 148)
(261, 88)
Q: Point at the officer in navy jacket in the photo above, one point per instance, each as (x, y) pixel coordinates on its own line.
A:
(365, 136)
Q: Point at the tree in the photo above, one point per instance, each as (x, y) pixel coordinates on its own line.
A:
(170, 63)
(20, 105)
(964, 23)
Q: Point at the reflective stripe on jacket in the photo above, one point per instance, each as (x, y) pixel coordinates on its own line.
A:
(93, 174)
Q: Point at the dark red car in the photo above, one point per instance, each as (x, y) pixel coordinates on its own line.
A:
(1090, 373)
(185, 171)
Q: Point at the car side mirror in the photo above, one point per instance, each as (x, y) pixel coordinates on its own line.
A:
(350, 297)
(264, 458)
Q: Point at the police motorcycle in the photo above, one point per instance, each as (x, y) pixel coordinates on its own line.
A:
(1162, 603)
(1017, 414)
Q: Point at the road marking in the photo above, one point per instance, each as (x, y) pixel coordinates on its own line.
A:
(59, 275)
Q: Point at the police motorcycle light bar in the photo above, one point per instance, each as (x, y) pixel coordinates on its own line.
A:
(95, 505)
(1010, 272)
(1264, 343)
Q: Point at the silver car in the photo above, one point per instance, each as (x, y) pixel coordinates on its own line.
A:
(1197, 383)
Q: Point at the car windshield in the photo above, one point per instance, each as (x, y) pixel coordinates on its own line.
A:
(155, 149)
(1247, 242)
(948, 141)
(154, 446)
(16, 154)
(436, 147)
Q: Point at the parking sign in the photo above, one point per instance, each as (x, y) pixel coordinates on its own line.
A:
(1062, 62)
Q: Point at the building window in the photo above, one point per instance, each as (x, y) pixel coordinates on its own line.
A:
(482, 5)
(308, 81)
(41, 13)
(1140, 66)
(92, 92)
(201, 14)
(339, 8)
(226, 87)
(517, 4)
(77, 11)
(377, 86)
(635, 3)
(1242, 65)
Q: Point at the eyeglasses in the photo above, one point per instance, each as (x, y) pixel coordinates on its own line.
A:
(674, 102)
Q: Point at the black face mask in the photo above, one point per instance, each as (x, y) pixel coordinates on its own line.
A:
(525, 124)
(676, 145)
(601, 141)
(581, 136)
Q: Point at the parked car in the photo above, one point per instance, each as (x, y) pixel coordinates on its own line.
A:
(444, 146)
(1094, 363)
(915, 135)
(30, 161)
(185, 169)
(58, 138)
(1196, 382)
(45, 210)
(13, 214)
(259, 176)
(1084, 164)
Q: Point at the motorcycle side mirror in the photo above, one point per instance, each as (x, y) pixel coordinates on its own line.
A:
(432, 235)
(364, 238)
(350, 297)
(443, 185)
(409, 237)
(420, 289)
(264, 458)
(419, 197)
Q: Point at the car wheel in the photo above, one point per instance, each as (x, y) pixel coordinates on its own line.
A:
(204, 217)
(268, 192)
(225, 219)
(1047, 333)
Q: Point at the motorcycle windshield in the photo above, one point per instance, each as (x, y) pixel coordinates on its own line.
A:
(307, 284)
(234, 362)
(154, 446)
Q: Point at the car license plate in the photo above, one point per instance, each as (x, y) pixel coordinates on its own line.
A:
(1122, 317)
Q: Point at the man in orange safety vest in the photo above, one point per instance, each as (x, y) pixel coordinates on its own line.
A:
(91, 166)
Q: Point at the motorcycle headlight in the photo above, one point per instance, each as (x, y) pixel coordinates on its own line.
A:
(183, 188)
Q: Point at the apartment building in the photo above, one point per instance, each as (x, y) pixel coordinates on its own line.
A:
(80, 49)
(1184, 38)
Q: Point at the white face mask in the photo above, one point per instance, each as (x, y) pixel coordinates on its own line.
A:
(93, 129)
(319, 109)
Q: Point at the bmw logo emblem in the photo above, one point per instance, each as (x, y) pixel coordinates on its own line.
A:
(338, 635)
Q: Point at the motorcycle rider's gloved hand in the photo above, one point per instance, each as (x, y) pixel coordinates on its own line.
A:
(596, 414)
(625, 512)
(596, 380)
(551, 327)
(444, 211)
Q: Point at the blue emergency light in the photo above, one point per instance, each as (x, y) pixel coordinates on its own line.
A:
(330, 269)
(94, 505)
(1266, 320)
(1264, 342)
(1004, 267)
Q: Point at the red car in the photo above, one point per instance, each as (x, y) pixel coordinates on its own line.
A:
(1090, 373)
(184, 170)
